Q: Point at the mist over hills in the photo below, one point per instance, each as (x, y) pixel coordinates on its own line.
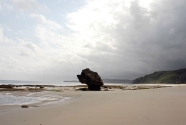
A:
(117, 81)
(172, 76)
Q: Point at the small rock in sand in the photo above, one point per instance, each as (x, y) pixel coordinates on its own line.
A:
(24, 106)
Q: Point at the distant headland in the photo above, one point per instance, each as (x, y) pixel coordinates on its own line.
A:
(172, 77)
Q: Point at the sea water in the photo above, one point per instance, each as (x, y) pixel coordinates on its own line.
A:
(10, 99)
(19, 82)
(62, 83)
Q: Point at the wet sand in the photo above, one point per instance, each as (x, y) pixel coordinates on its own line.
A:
(161, 106)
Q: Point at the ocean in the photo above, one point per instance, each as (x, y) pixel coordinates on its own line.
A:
(9, 98)
(62, 83)
(19, 82)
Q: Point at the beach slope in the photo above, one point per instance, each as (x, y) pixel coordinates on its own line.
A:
(163, 106)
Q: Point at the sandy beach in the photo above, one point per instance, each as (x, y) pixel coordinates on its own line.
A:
(160, 106)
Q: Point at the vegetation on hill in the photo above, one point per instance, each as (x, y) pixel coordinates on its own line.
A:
(174, 76)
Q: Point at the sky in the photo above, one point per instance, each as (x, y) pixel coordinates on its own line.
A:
(53, 40)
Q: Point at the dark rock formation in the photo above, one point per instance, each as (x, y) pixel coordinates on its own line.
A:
(92, 79)
(7, 86)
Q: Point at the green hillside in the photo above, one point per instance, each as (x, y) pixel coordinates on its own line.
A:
(174, 76)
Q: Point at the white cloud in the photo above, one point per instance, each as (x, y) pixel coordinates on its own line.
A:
(19, 58)
(140, 33)
(47, 60)
(43, 20)
(28, 5)
(116, 38)
(5, 6)
(4, 40)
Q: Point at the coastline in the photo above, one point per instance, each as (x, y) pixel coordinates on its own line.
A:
(158, 106)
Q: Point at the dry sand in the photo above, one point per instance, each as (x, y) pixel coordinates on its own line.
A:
(162, 106)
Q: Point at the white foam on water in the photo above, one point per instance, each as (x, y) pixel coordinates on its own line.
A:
(9, 99)
(58, 101)
(16, 100)
(30, 94)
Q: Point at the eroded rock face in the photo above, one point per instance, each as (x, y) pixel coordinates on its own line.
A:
(7, 86)
(92, 79)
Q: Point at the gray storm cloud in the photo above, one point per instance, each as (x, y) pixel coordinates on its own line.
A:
(116, 38)
(145, 40)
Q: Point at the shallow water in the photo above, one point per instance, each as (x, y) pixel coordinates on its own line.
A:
(10, 99)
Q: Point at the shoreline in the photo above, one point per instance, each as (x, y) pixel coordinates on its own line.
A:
(158, 106)
(32, 91)
(41, 87)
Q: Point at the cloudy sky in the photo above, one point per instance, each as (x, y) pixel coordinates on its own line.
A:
(55, 39)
